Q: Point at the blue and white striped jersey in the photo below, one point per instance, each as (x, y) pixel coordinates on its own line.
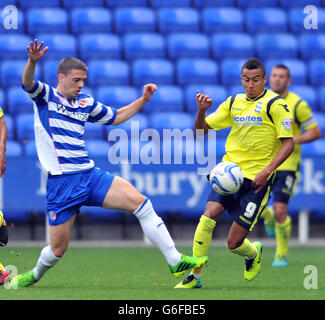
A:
(59, 128)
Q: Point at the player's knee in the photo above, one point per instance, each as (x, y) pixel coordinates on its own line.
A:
(213, 210)
(233, 244)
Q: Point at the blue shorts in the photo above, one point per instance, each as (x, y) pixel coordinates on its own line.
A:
(283, 186)
(245, 206)
(67, 193)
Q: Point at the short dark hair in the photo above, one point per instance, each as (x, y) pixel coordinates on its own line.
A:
(253, 63)
(67, 64)
(283, 66)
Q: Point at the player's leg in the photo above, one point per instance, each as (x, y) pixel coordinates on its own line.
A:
(3, 231)
(269, 221)
(122, 195)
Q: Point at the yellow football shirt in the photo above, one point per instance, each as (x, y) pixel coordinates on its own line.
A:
(256, 128)
(1, 113)
(302, 119)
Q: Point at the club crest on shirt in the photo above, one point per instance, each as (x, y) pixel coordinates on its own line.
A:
(258, 107)
(52, 215)
(287, 123)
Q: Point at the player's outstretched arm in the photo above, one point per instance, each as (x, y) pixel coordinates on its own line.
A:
(125, 113)
(3, 143)
(308, 136)
(203, 102)
(283, 153)
(35, 53)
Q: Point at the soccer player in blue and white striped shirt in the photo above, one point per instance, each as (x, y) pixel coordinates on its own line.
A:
(73, 181)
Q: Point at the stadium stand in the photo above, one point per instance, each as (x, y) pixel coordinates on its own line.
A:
(117, 96)
(18, 101)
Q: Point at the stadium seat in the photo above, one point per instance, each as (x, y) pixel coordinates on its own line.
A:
(314, 149)
(232, 45)
(50, 72)
(47, 20)
(108, 72)
(116, 96)
(96, 147)
(13, 46)
(14, 149)
(170, 120)
(12, 72)
(188, 45)
(82, 3)
(30, 148)
(159, 71)
(2, 100)
(316, 72)
(276, 45)
(27, 4)
(61, 45)
(230, 71)
(178, 20)
(312, 46)
(236, 89)
(143, 45)
(307, 93)
(320, 119)
(93, 131)
(8, 24)
(322, 99)
(257, 3)
(298, 69)
(127, 3)
(87, 90)
(217, 93)
(18, 101)
(99, 46)
(134, 20)
(217, 20)
(166, 98)
(299, 3)
(25, 126)
(213, 3)
(170, 3)
(193, 71)
(297, 18)
(260, 20)
(90, 20)
(10, 127)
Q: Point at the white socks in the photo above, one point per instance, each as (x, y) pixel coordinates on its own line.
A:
(46, 260)
(154, 228)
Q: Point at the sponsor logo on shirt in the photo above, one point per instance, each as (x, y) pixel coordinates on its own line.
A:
(248, 121)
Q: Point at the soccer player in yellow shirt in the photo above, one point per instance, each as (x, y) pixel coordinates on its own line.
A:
(278, 222)
(259, 141)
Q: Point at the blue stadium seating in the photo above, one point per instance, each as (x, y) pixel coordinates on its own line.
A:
(170, 120)
(30, 148)
(266, 20)
(10, 127)
(50, 72)
(297, 18)
(25, 126)
(108, 72)
(230, 71)
(166, 98)
(216, 92)
(320, 119)
(134, 20)
(47, 20)
(13, 46)
(213, 3)
(236, 89)
(14, 149)
(91, 20)
(307, 93)
(316, 70)
(193, 71)
(116, 96)
(257, 3)
(222, 20)
(27, 4)
(82, 3)
(276, 45)
(159, 71)
(9, 25)
(322, 99)
(299, 3)
(99, 46)
(18, 101)
(61, 45)
(143, 45)
(315, 148)
(96, 146)
(87, 90)
(93, 131)
(126, 3)
(12, 72)
(178, 20)
(170, 3)
(312, 46)
(188, 45)
(2, 100)
(232, 45)
(298, 69)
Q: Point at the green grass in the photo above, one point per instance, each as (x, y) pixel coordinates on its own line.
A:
(142, 274)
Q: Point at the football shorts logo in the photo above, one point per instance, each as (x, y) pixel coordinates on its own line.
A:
(52, 215)
(287, 123)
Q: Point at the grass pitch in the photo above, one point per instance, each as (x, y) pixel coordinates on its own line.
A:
(143, 274)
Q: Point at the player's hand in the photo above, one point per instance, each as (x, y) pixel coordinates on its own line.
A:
(203, 101)
(35, 51)
(148, 91)
(260, 180)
